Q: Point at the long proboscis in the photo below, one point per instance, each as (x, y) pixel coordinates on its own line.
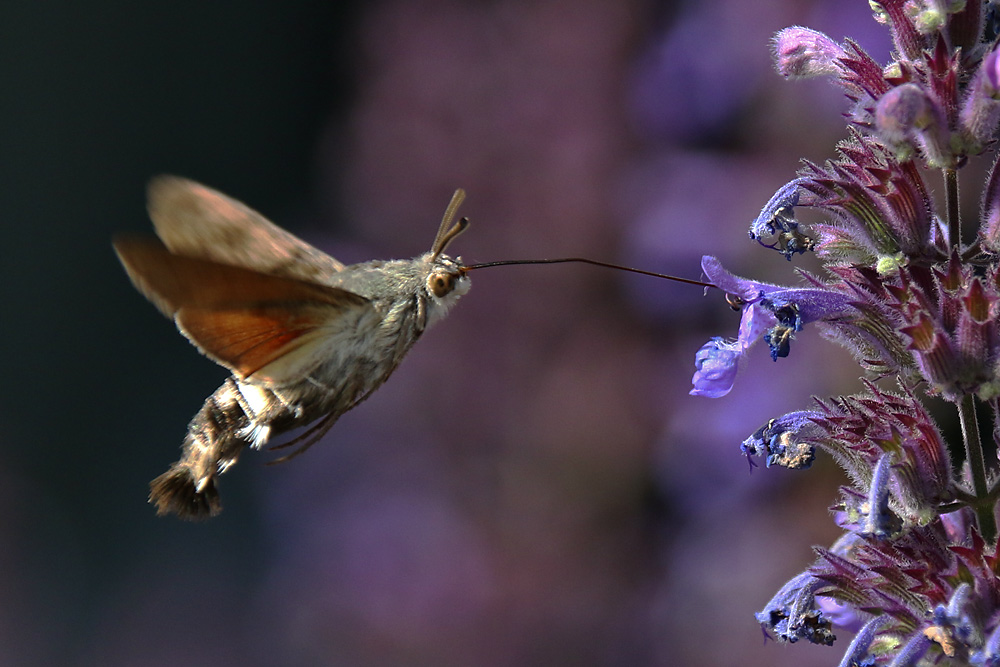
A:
(582, 260)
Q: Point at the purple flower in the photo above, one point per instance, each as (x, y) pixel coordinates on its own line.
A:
(787, 441)
(857, 652)
(794, 614)
(880, 521)
(770, 312)
(777, 219)
(716, 363)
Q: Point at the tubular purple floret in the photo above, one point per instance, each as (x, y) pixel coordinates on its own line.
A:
(777, 219)
(788, 441)
(880, 522)
(955, 613)
(793, 614)
(989, 656)
(769, 312)
(911, 652)
(858, 650)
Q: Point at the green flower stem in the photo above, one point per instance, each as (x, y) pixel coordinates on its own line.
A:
(951, 207)
(977, 467)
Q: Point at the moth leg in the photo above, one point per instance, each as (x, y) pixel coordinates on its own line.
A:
(308, 439)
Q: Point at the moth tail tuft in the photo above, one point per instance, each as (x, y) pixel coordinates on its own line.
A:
(176, 492)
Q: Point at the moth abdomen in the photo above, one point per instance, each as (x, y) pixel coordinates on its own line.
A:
(233, 417)
(176, 492)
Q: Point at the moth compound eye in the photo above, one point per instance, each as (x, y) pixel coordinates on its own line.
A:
(440, 284)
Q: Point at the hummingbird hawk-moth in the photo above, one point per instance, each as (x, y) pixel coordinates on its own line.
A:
(305, 337)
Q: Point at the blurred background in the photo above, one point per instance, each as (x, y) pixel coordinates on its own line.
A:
(534, 486)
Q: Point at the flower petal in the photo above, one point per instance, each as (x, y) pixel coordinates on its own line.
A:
(716, 363)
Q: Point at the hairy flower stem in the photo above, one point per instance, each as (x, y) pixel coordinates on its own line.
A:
(951, 207)
(977, 467)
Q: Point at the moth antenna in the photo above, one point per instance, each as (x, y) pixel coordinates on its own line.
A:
(447, 232)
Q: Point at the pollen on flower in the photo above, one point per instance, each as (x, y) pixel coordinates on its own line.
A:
(788, 441)
(794, 614)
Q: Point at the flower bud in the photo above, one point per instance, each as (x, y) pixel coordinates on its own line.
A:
(802, 53)
(907, 118)
(989, 212)
(901, 111)
(980, 115)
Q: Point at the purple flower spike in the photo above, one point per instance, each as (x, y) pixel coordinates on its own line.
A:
(916, 569)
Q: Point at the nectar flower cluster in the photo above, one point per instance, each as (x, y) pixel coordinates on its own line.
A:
(915, 575)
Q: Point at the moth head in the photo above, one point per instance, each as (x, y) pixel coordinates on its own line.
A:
(446, 278)
(445, 283)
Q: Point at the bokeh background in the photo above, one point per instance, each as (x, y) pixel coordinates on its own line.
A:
(534, 486)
